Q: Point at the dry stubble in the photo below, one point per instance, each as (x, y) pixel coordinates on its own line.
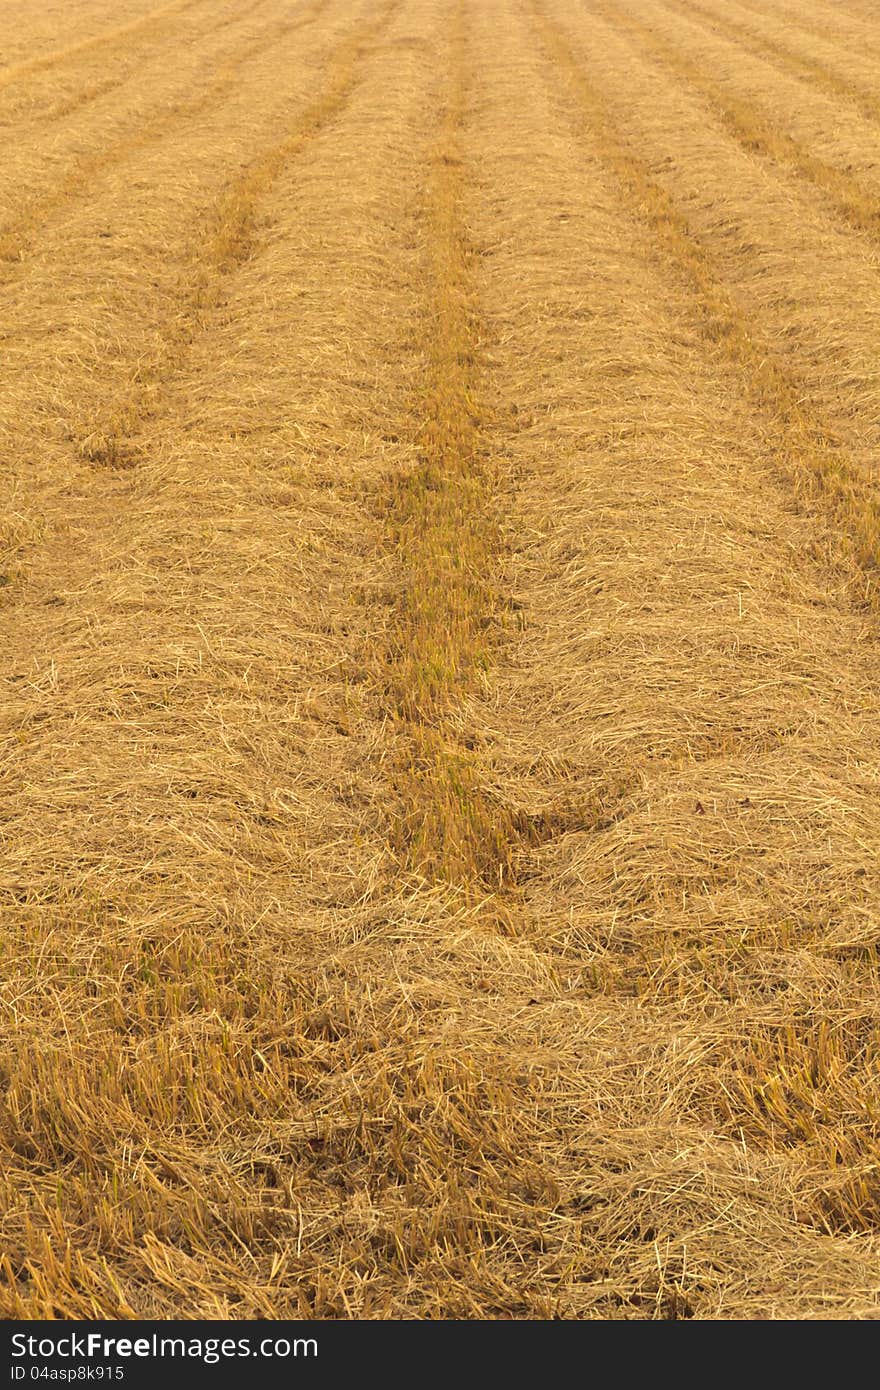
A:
(439, 770)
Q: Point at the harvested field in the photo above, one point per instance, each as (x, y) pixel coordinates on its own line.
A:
(440, 698)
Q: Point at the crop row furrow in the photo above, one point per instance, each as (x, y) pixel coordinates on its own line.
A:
(441, 528)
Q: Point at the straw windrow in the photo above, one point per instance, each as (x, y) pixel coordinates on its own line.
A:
(223, 242)
(754, 128)
(18, 233)
(795, 60)
(804, 447)
(110, 36)
(438, 782)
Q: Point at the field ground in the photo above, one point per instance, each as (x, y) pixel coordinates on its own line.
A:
(440, 698)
